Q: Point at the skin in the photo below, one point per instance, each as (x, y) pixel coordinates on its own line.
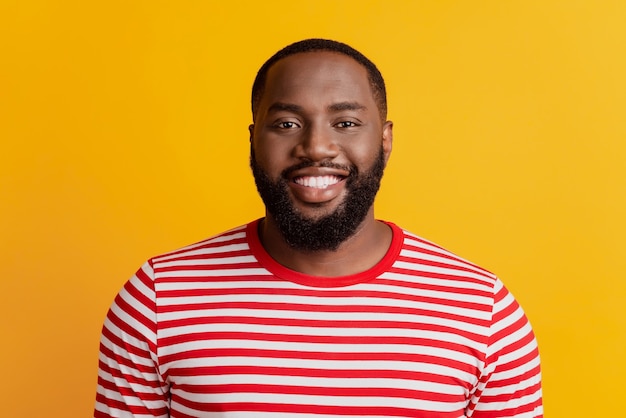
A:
(319, 107)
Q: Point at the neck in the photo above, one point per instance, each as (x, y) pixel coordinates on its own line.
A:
(359, 252)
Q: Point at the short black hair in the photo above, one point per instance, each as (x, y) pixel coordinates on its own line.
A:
(377, 83)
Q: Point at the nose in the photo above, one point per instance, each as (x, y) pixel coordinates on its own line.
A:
(317, 144)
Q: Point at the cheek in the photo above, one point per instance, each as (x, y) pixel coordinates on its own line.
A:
(364, 156)
(270, 159)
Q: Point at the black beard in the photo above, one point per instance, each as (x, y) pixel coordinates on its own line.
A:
(329, 231)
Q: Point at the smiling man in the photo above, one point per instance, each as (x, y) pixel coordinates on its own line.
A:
(317, 309)
(319, 145)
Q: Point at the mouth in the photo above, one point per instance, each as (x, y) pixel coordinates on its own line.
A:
(317, 185)
(317, 182)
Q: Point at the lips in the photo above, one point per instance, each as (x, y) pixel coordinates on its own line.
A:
(317, 182)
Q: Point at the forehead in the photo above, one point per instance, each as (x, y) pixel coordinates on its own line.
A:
(320, 75)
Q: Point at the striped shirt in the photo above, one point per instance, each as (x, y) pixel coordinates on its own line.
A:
(220, 329)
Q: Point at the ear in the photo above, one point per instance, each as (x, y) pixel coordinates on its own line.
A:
(387, 139)
(251, 130)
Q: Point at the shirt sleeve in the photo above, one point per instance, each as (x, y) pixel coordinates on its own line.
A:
(510, 385)
(129, 382)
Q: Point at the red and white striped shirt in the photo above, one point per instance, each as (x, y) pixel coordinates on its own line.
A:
(219, 329)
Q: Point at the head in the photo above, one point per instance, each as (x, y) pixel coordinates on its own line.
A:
(319, 142)
(377, 83)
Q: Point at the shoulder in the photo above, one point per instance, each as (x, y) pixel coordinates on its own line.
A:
(223, 244)
(437, 260)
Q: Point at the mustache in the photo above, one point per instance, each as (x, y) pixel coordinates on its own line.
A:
(326, 164)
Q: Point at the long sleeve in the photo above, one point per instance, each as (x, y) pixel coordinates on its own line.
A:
(510, 385)
(129, 382)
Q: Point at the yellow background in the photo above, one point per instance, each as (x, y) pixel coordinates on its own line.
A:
(123, 135)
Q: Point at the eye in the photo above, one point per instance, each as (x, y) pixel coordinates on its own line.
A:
(346, 124)
(286, 124)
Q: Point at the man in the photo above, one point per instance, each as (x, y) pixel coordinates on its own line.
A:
(317, 309)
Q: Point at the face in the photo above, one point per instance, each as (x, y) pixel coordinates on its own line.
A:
(318, 148)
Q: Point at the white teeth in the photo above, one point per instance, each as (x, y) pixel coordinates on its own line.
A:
(320, 182)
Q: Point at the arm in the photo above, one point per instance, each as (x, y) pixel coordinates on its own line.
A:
(129, 382)
(510, 385)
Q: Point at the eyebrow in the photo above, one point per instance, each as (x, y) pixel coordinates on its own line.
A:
(335, 107)
(286, 107)
(338, 107)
